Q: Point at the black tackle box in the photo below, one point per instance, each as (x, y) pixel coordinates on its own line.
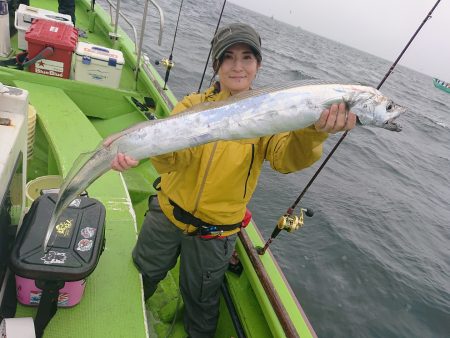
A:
(74, 247)
(73, 251)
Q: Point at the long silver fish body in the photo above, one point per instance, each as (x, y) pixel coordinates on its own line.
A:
(255, 113)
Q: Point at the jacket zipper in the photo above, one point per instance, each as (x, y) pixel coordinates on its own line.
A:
(249, 169)
(202, 186)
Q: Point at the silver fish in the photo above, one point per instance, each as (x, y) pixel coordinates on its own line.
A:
(251, 114)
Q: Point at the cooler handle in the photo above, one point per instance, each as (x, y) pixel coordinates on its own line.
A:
(45, 53)
(101, 49)
(57, 18)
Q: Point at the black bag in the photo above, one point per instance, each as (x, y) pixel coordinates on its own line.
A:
(72, 254)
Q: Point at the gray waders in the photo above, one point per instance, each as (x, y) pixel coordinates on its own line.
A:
(203, 263)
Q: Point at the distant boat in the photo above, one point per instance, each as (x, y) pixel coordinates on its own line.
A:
(442, 85)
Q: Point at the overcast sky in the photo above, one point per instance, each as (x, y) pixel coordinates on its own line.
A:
(379, 27)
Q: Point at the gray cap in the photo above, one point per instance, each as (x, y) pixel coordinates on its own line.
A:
(232, 34)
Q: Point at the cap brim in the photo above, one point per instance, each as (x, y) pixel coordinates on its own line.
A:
(234, 41)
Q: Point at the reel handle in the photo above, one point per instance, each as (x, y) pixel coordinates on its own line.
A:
(309, 212)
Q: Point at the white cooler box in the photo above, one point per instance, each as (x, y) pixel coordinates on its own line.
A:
(25, 15)
(98, 65)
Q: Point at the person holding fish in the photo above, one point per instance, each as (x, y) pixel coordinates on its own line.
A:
(204, 191)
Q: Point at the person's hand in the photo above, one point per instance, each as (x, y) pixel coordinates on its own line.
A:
(123, 162)
(335, 119)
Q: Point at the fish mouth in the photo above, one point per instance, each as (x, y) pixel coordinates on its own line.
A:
(392, 125)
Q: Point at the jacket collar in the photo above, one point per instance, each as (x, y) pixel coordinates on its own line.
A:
(212, 94)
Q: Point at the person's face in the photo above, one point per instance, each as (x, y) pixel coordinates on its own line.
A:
(238, 69)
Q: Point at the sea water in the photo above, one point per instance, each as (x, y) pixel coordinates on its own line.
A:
(374, 260)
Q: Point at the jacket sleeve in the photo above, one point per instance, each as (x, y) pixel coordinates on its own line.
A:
(293, 151)
(175, 160)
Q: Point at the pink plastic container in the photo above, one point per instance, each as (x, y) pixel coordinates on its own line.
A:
(29, 294)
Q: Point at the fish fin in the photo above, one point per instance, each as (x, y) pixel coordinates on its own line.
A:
(252, 93)
(348, 99)
(329, 103)
(283, 86)
(113, 137)
(77, 165)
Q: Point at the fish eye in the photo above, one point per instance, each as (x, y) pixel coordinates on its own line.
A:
(389, 106)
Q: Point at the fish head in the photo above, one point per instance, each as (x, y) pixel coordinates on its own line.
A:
(379, 111)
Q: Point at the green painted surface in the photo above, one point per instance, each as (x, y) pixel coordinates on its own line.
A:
(73, 117)
(114, 289)
(280, 285)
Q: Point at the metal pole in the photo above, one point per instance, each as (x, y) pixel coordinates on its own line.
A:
(141, 41)
(117, 18)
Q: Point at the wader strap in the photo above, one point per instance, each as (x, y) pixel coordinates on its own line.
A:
(157, 187)
(156, 183)
(187, 218)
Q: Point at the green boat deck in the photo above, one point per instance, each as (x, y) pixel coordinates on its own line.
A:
(72, 118)
(69, 132)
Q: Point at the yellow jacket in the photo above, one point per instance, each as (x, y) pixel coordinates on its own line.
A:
(215, 181)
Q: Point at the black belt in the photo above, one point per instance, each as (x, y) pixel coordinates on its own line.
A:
(203, 228)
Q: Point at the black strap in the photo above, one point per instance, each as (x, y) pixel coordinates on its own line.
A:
(8, 304)
(156, 183)
(48, 304)
(8, 62)
(16, 61)
(187, 218)
(21, 60)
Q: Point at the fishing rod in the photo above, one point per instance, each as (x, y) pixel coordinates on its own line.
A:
(168, 63)
(210, 49)
(289, 221)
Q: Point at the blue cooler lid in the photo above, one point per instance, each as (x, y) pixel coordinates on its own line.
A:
(89, 52)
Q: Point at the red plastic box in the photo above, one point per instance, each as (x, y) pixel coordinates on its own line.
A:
(53, 44)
